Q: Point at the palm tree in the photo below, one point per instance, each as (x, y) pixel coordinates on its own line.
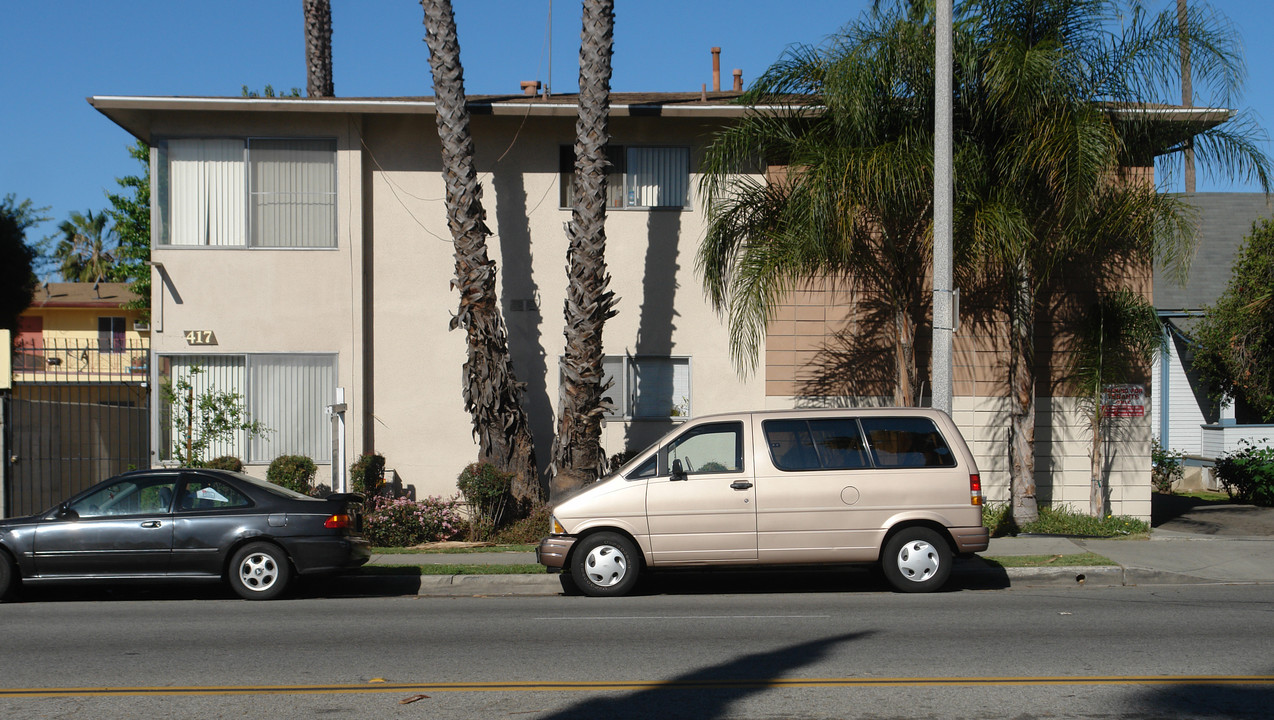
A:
(83, 250)
(1050, 104)
(1115, 342)
(318, 48)
(492, 394)
(849, 146)
(578, 457)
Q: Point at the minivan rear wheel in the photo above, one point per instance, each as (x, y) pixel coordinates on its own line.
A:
(605, 564)
(916, 559)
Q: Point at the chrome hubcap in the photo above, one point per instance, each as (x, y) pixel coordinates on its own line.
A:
(918, 561)
(605, 565)
(258, 572)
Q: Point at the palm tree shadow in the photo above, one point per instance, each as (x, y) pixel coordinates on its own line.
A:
(857, 361)
(707, 692)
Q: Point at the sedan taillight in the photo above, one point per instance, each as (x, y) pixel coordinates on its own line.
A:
(339, 521)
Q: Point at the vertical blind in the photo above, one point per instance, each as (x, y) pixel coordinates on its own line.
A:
(260, 192)
(293, 193)
(658, 176)
(288, 394)
(218, 373)
(206, 192)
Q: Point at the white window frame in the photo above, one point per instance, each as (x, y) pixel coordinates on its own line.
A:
(626, 385)
(234, 221)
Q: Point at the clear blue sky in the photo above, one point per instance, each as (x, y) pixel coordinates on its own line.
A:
(58, 151)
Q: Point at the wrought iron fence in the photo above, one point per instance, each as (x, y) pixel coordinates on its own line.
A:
(80, 360)
(77, 413)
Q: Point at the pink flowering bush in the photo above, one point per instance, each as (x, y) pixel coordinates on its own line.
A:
(402, 522)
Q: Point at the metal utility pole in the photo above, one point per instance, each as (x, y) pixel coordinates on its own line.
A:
(943, 312)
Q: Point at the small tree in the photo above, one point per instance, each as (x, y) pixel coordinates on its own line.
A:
(17, 277)
(130, 214)
(487, 490)
(204, 419)
(1236, 338)
(1116, 339)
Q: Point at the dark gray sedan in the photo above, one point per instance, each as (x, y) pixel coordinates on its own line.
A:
(188, 524)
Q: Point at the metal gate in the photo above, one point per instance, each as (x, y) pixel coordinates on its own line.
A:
(78, 413)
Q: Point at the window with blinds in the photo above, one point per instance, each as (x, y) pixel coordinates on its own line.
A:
(247, 192)
(287, 393)
(637, 177)
(647, 387)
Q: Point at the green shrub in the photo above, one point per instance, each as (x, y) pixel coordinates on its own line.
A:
(1248, 474)
(294, 472)
(367, 474)
(1166, 467)
(402, 522)
(1060, 521)
(487, 491)
(525, 531)
(225, 462)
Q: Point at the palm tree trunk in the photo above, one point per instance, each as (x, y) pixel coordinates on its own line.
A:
(318, 48)
(904, 359)
(1096, 496)
(1022, 399)
(578, 458)
(492, 394)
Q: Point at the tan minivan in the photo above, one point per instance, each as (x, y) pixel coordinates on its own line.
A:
(896, 486)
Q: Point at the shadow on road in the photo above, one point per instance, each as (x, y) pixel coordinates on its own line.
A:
(708, 692)
(1206, 700)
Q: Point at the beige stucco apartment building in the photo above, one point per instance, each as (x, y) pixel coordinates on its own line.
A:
(301, 254)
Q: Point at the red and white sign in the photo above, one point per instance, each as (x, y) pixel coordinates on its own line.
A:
(1123, 401)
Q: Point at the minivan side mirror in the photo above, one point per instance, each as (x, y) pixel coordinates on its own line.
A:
(678, 473)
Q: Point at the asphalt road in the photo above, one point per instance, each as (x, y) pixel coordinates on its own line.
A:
(1168, 651)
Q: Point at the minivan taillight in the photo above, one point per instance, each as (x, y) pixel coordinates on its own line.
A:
(975, 490)
(340, 521)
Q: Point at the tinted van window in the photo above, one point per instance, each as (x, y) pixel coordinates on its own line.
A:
(906, 442)
(833, 444)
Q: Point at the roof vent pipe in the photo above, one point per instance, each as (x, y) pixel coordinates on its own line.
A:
(716, 69)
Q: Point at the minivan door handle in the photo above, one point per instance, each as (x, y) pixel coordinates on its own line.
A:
(740, 484)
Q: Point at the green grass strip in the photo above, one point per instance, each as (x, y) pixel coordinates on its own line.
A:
(450, 551)
(447, 569)
(1026, 561)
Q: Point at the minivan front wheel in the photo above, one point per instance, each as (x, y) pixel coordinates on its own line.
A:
(916, 560)
(605, 564)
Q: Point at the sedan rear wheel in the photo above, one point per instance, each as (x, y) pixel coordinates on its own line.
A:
(916, 560)
(605, 565)
(259, 571)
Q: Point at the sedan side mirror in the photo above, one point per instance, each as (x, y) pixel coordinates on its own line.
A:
(678, 473)
(66, 513)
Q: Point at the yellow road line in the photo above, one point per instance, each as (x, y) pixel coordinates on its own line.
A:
(595, 686)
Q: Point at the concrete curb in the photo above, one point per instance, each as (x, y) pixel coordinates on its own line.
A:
(964, 578)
